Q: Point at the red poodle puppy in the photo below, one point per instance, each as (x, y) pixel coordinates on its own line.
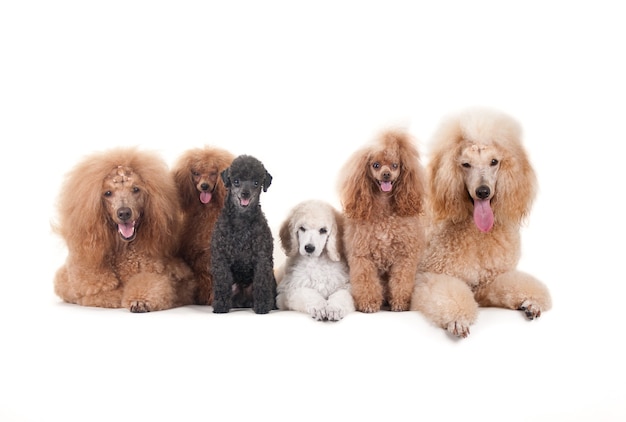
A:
(202, 194)
(118, 214)
(381, 191)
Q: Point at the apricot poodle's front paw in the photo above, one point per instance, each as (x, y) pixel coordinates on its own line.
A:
(368, 306)
(139, 306)
(459, 329)
(531, 309)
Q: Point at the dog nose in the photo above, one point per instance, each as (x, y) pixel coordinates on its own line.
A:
(386, 175)
(309, 248)
(124, 213)
(483, 192)
(204, 186)
(245, 194)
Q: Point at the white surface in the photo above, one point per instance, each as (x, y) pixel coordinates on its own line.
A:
(301, 87)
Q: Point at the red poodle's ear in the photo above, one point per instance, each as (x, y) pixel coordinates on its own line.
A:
(355, 189)
(182, 179)
(225, 175)
(409, 198)
(517, 185)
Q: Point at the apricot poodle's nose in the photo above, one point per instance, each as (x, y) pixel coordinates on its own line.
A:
(483, 192)
(204, 186)
(124, 213)
(309, 248)
(386, 175)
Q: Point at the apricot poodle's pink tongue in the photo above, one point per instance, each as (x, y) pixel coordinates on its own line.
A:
(386, 186)
(483, 215)
(205, 197)
(127, 229)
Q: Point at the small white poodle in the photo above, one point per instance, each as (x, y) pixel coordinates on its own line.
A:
(315, 278)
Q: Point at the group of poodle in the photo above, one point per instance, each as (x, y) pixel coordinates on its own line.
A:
(441, 239)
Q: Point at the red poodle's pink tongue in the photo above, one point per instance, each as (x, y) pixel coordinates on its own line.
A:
(483, 215)
(127, 229)
(386, 186)
(205, 197)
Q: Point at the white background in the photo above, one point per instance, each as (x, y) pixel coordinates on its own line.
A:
(301, 85)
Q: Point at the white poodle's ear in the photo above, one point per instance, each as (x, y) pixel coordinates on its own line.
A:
(335, 239)
(288, 239)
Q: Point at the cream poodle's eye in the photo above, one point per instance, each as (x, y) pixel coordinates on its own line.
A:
(467, 165)
(135, 189)
(323, 230)
(108, 193)
(376, 165)
(494, 162)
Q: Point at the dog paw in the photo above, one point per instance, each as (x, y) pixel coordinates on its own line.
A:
(531, 309)
(458, 329)
(334, 314)
(317, 313)
(139, 307)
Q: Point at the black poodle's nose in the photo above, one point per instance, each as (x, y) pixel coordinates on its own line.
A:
(204, 186)
(483, 192)
(309, 248)
(245, 194)
(124, 213)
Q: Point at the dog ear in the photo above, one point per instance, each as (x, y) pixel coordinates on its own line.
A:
(334, 244)
(226, 177)
(267, 181)
(288, 238)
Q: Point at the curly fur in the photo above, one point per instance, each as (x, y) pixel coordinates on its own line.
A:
(316, 277)
(118, 215)
(382, 193)
(202, 194)
(482, 186)
(242, 245)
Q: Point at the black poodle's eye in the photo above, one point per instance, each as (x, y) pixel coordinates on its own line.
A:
(236, 182)
(256, 183)
(323, 230)
(108, 193)
(376, 165)
(467, 165)
(494, 162)
(394, 166)
(302, 229)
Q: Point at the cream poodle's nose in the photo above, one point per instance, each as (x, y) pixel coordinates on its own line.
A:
(483, 192)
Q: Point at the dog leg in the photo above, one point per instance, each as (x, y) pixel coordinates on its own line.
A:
(339, 305)
(446, 301)
(516, 290)
(305, 300)
(146, 292)
(264, 290)
(366, 287)
(401, 283)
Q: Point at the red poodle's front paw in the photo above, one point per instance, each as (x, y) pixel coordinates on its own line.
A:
(139, 307)
(368, 307)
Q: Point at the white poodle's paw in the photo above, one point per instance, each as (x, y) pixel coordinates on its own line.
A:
(459, 328)
(334, 313)
(531, 309)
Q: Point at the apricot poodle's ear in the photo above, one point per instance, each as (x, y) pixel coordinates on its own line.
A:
(288, 236)
(517, 185)
(267, 181)
(409, 198)
(447, 192)
(225, 175)
(334, 244)
(355, 185)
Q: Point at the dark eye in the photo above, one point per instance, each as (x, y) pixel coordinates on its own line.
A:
(135, 189)
(394, 166)
(195, 173)
(494, 162)
(302, 229)
(376, 165)
(108, 193)
(323, 230)
(467, 165)
(256, 183)
(236, 182)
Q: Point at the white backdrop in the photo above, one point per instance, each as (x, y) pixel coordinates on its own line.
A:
(300, 85)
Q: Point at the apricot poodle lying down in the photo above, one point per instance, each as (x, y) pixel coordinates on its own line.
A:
(481, 187)
(118, 214)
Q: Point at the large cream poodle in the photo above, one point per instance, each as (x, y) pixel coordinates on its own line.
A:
(118, 215)
(481, 187)
(381, 189)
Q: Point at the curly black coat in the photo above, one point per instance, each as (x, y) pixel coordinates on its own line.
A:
(242, 245)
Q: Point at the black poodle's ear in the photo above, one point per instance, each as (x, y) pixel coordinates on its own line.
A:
(267, 181)
(226, 177)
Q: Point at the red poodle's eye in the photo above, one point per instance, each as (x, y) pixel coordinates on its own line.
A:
(323, 230)
(394, 166)
(376, 165)
(467, 165)
(108, 193)
(494, 162)
(135, 189)
(195, 173)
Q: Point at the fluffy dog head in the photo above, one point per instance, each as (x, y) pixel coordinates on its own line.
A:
(389, 168)
(479, 169)
(116, 197)
(244, 179)
(197, 175)
(311, 228)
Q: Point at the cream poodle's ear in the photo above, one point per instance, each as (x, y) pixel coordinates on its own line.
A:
(287, 234)
(334, 244)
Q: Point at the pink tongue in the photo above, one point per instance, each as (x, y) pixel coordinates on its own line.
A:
(386, 186)
(205, 197)
(483, 216)
(245, 202)
(127, 229)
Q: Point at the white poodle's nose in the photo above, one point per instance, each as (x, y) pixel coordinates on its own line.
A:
(309, 248)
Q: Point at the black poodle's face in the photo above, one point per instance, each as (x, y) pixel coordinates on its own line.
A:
(245, 179)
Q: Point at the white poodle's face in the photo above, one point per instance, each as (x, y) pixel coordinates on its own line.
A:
(312, 239)
(480, 165)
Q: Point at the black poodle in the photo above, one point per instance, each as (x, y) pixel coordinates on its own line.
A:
(242, 263)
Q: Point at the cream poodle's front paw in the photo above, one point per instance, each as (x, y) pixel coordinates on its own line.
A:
(531, 309)
(139, 306)
(458, 328)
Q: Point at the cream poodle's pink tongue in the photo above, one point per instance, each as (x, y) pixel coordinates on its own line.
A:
(386, 186)
(127, 229)
(205, 197)
(483, 215)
